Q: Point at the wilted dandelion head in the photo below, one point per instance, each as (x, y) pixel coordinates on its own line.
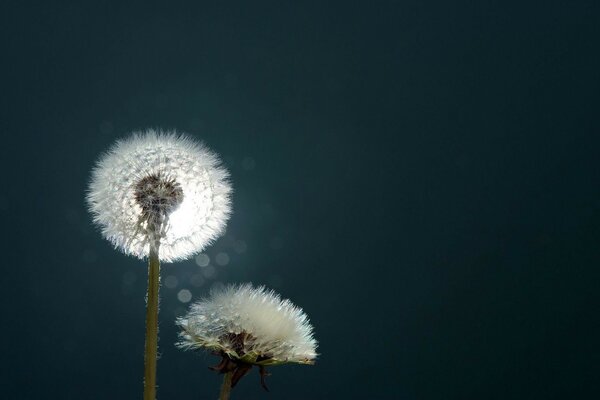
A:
(248, 326)
(159, 189)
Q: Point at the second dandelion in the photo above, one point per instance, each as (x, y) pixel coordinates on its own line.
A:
(248, 326)
(160, 196)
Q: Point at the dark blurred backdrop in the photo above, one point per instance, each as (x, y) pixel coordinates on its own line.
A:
(420, 176)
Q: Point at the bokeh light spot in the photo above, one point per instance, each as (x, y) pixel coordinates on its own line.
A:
(202, 260)
(209, 272)
(184, 296)
(171, 281)
(222, 259)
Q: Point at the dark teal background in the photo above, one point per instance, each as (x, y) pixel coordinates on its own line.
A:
(420, 176)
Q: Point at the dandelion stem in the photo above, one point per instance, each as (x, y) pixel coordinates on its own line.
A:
(151, 325)
(226, 387)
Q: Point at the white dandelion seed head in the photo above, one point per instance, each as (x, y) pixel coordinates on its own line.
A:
(155, 185)
(250, 324)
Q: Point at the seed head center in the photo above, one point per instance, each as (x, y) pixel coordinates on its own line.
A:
(158, 196)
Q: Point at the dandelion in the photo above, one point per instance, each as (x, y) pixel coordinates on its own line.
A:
(247, 326)
(160, 196)
(160, 187)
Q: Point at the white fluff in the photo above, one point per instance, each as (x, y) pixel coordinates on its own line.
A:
(279, 332)
(199, 219)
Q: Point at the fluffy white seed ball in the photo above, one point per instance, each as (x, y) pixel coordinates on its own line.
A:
(250, 324)
(164, 186)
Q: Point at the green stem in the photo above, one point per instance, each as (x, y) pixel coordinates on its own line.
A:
(151, 326)
(226, 387)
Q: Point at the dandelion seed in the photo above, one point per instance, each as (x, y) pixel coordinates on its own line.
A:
(247, 327)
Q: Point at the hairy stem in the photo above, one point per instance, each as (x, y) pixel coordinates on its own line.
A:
(226, 387)
(151, 326)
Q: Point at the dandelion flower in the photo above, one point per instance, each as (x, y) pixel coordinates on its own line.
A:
(161, 196)
(248, 326)
(160, 186)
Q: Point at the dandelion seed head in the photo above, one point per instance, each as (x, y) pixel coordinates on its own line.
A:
(250, 324)
(160, 186)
